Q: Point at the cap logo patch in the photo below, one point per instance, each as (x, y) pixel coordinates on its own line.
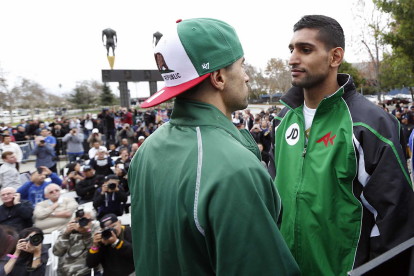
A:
(205, 66)
(161, 64)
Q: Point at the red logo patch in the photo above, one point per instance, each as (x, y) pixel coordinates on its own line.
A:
(327, 139)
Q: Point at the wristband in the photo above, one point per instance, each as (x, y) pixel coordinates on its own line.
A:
(12, 256)
(94, 248)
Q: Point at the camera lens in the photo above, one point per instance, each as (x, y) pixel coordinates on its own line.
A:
(83, 222)
(107, 233)
(79, 213)
(36, 239)
(112, 186)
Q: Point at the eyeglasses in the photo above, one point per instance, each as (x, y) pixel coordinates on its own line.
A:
(54, 191)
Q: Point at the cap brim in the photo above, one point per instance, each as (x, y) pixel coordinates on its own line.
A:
(170, 92)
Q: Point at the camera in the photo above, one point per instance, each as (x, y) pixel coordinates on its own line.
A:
(83, 222)
(111, 186)
(107, 233)
(35, 239)
(79, 213)
(39, 170)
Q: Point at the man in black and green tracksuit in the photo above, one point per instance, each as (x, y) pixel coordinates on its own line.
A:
(202, 203)
(340, 170)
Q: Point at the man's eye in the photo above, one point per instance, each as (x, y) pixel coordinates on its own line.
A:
(290, 50)
(306, 50)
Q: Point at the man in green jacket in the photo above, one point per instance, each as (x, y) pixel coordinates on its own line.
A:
(202, 203)
(340, 169)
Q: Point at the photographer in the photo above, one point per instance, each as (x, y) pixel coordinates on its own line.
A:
(112, 248)
(110, 198)
(30, 256)
(73, 244)
(45, 155)
(102, 163)
(86, 188)
(126, 132)
(74, 144)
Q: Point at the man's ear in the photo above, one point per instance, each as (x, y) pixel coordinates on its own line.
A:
(337, 56)
(217, 79)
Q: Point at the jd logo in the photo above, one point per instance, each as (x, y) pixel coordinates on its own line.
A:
(292, 134)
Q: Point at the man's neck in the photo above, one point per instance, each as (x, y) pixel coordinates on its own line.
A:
(314, 95)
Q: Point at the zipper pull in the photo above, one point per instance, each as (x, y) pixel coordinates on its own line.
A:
(304, 152)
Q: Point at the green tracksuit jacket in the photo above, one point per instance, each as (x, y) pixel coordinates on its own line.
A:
(346, 195)
(202, 203)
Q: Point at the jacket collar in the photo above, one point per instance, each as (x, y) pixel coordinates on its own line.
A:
(194, 113)
(294, 97)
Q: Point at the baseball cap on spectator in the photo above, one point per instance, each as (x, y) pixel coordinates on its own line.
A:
(141, 138)
(111, 176)
(87, 168)
(108, 219)
(95, 130)
(190, 52)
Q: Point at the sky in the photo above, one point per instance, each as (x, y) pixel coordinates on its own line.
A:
(59, 43)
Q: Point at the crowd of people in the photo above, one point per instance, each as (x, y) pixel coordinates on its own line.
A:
(97, 151)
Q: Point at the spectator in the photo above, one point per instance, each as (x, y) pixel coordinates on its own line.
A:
(108, 121)
(74, 123)
(54, 212)
(134, 149)
(40, 128)
(102, 163)
(88, 124)
(95, 136)
(142, 131)
(112, 248)
(74, 144)
(45, 135)
(112, 150)
(126, 117)
(86, 188)
(73, 176)
(45, 156)
(94, 150)
(123, 177)
(8, 240)
(33, 190)
(72, 244)
(9, 175)
(126, 133)
(30, 256)
(21, 134)
(123, 159)
(110, 197)
(265, 137)
(58, 132)
(141, 140)
(15, 212)
(265, 155)
(125, 144)
(8, 145)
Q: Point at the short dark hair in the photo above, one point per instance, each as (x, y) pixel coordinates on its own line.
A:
(6, 153)
(330, 31)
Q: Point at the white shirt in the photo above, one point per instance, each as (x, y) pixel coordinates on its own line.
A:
(13, 147)
(9, 176)
(93, 151)
(308, 113)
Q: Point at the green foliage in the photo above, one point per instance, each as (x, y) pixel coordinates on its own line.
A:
(401, 35)
(107, 97)
(347, 68)
(85, 94)
(396, 71)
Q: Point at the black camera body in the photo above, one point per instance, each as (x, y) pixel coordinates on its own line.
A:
(107, 233)
(111, 186)
(83, 221)
(79, 213)
(35, 239)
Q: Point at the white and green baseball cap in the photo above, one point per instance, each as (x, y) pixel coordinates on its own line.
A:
(187, 55)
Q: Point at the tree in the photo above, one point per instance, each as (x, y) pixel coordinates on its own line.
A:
(348, 68)
(107, 97)
(8, 97)
(85, 94)
(396, 72)
(401, 34)
(257, 81)
(278, 74)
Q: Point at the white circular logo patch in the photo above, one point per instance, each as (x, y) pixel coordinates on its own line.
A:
(292, 134)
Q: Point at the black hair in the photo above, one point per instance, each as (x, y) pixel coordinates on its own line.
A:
(111, 176)
(26, 256)
(330, 31)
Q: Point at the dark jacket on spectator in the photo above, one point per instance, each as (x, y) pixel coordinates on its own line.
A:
(86, 188)
(17, 216)
(115, 261)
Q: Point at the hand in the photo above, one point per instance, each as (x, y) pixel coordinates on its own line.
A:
(46, 170)
(104, 188)
(73, 225)
(97, 239)
(16, 199)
